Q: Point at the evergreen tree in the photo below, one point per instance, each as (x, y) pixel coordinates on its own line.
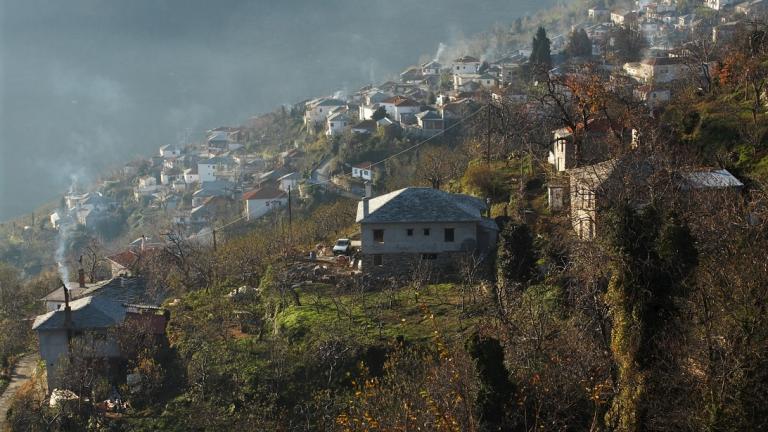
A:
(496, 389)
(379, 114)
(516, 257)
(541, 56)
(579, 44)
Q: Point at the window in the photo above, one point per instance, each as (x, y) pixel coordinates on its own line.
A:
(378, 260)
(449, 234)
(429, 256)
(426, 231)
(409, 232)
(378, 235)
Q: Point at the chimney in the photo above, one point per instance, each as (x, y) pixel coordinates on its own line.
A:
(80, 278)
(368, 190)
(365, 207)
(67, 310)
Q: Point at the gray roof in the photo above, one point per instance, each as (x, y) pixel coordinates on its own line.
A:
(712, 179)
(130, 290)
(419, 204)
(292, 176)
(331, 102)
(92, 312)
(216, 160)
(429, 115)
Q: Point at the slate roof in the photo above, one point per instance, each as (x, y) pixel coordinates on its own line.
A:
(420, 204)
(466, 59)
(93, 312)
(331, 102)
(712, 179)
(429, 115)
(291, 176)
(130, 290)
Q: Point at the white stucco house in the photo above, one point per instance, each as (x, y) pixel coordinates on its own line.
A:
(336, 123)
(213, 168)
(170, 151)
(466, 65)
(363, 170)
(261, 201)
(318, 110)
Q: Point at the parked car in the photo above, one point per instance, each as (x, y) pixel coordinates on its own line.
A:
(342, 247)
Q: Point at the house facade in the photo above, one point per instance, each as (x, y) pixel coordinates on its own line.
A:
(317, 111)
(261, 201)
(593, 145)
(466, 65)
(363, 170)
(90, 324)
(414, 227)
(656, 70)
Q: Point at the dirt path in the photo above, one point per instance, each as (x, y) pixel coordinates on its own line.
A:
(23, 372)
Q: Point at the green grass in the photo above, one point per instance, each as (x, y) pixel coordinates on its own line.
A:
(373, 316)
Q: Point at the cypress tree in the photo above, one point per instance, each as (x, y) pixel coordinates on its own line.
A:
(541, 57)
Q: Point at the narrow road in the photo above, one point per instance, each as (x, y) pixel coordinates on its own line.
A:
(21, 374)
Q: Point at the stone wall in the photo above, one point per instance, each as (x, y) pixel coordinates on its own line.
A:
(445, 266)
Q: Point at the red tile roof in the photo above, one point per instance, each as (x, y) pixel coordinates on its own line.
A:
(363, 165)
(125, 258)
(401, 101)
(263, 193)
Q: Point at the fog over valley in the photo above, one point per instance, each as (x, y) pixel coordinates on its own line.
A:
(87, 85)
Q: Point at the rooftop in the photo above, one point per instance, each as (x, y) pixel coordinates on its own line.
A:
(263, 193)
(712, 179)
(466, 59)
(420, 204)
(92, 312)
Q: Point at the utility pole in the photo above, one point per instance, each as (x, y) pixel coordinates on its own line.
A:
(290, 217)
(488, 137)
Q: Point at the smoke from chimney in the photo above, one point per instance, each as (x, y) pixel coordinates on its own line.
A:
(440, 49)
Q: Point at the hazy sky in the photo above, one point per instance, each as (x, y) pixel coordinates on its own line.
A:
(88, 84)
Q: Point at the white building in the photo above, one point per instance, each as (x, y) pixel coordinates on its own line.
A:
(319, 109)
(261, 201)
(363, 170)
(466, 65)
(336, 123)
(717, 4)
(211, 169)
(170, 151)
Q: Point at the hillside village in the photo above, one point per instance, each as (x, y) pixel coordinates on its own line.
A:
(474, 193)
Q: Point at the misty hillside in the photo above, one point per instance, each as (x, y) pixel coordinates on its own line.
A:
(101, 82)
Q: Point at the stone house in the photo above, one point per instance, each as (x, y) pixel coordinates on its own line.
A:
(596, 187)
(416, 226)
(594, 145)
(89, 320)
